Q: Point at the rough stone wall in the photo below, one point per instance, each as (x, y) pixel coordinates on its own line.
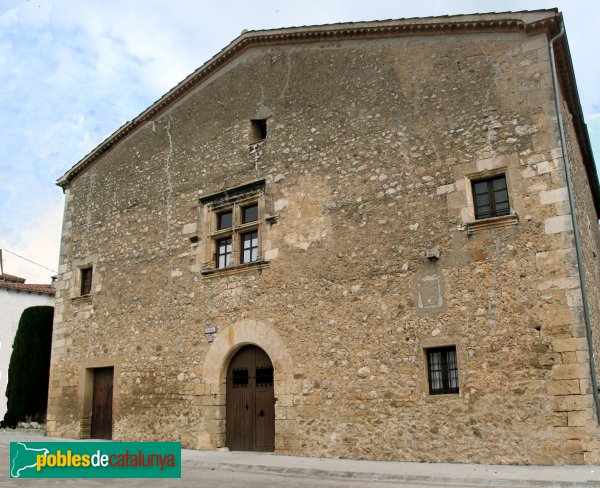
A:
(589, 234)
(370, 151)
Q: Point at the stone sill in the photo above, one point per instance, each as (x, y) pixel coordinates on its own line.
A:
(491, 223)
(447, 396)
(238, 268)
(84, 299)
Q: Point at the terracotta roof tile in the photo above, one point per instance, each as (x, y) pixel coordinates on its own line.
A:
(13, 278)
(11, 282)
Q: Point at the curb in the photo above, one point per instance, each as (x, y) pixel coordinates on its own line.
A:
(415, 479)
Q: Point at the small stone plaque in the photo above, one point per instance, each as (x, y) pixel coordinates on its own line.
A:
(429, 292)
(210, 330)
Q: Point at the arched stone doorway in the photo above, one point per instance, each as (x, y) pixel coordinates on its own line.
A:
(250, 401)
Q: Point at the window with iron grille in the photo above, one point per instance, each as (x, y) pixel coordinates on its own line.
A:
(239, 377)
(490, 197)
(264, 376)
(86, 281)
(442, 369)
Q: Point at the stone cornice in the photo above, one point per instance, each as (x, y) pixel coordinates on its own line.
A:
(461, 24)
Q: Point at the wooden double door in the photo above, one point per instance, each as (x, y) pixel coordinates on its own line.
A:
(250, 401)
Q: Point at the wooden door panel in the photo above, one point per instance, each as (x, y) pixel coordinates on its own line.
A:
(250, 424)
(102, 403)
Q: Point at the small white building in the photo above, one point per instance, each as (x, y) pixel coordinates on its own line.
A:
(16, 296)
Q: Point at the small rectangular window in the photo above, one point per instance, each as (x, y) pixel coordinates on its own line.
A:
(224, 252)
(250, 247)
(86, 281)
(442, 370)
(250, 214)
(258, 130)
(225, 220)
(490, 197)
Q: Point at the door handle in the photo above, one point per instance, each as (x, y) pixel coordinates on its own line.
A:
(262, 413)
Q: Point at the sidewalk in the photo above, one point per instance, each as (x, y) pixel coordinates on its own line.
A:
(422, 473)
(343, 469)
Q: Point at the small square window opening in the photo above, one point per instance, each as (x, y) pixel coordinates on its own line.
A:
(250, 214)
(442, 369)
(225, 220)
(258, 130)
(86, 281)
(490, 198)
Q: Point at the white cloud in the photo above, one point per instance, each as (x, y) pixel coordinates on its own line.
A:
(42, 248)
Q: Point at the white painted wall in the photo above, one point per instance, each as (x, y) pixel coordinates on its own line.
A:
(12, 304)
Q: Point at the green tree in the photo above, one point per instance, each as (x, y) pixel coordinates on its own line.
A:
(29, 368)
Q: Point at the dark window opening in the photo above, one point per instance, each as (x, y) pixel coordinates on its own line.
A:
(442, 370)
(224, 252)
(264, 376)
(240, 378)
(250, 214)
(225, 220)
(490, 198)
(86, 281)
(258, 130)
(250, 247)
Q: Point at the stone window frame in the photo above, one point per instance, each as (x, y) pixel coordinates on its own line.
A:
(438, 343)
(445, 370)
(75, 276)
(491, 193)
(235, 200)
(471, 222)
(85, 289)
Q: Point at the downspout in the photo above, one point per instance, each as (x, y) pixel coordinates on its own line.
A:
(579, 252)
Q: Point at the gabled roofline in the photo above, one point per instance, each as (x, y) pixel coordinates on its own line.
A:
(456, 24)
(530, 22)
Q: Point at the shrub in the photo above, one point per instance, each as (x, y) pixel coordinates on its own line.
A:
(29, 368)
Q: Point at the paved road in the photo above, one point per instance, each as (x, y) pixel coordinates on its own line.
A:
(259, 470)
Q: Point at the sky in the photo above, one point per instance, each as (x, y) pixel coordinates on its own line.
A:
(73, 71)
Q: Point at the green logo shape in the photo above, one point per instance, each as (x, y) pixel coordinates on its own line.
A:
(95, 459)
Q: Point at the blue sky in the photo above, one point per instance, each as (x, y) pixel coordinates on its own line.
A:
(73, 71)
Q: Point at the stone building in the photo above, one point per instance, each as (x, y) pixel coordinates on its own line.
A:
(346, 240)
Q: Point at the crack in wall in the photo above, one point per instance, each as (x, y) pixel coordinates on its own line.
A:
(287, 76)
(169, 182)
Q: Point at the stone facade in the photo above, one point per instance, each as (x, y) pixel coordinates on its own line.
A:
(370, 254)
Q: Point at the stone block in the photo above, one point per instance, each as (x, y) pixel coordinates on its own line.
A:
(554, 196)
(569, 403)
(544, 167)
(441, 190)
(573, 446)
(560, 284)
(560, 223)
(579, 418)
(563, 387)
(570, 371)
(574, 344)
(190, 228)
